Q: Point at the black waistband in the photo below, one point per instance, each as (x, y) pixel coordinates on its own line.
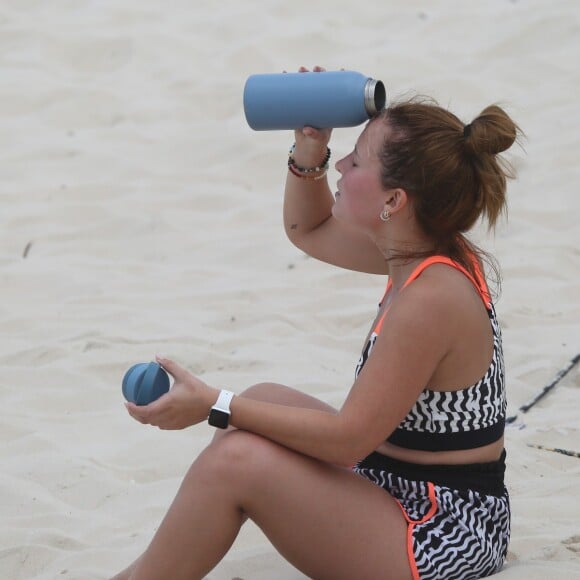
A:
(427, 441)
(487, 478)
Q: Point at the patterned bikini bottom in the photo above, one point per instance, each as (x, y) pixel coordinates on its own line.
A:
(458, 515)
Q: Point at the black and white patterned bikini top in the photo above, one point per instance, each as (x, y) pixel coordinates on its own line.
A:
(471, 417)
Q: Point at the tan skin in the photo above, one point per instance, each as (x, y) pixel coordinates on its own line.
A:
(290, 454)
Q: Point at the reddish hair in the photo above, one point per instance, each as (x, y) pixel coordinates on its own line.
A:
(452, 172)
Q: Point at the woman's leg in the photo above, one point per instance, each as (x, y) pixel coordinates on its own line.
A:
(325, 520)
(270, 392)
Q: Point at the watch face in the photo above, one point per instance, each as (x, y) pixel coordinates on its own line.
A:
(218, 418)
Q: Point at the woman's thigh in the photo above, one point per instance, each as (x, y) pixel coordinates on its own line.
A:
(327, 521)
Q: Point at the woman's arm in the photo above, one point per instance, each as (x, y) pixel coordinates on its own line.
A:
(308, 219)
(404, 357)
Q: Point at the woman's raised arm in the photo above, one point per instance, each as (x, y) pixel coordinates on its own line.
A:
(308, 219)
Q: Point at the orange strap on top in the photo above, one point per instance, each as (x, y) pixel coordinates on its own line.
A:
(478, 282)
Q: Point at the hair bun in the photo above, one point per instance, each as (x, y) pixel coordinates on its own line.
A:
(491, 132)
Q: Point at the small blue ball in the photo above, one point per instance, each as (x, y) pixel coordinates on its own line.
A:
(143, 383)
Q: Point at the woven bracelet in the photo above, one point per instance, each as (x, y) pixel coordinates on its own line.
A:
(301, 175)
(322, 167)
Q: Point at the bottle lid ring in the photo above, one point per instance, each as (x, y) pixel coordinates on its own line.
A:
(375, 96)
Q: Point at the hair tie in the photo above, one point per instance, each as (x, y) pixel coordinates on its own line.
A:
(467, 131)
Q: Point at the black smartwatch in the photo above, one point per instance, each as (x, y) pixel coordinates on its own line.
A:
(219, 415)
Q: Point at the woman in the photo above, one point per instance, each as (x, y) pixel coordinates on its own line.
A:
(423, 421)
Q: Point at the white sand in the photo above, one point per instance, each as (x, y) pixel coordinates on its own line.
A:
(140, 214)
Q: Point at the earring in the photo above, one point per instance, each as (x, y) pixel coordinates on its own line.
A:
(385, 215)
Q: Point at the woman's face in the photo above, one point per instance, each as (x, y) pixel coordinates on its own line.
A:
(360, 197)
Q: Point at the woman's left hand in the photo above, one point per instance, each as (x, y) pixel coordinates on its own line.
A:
(187, 403)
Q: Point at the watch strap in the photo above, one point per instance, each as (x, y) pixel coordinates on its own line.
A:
(223, 401)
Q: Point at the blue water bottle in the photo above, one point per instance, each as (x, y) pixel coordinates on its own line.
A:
(316, 99)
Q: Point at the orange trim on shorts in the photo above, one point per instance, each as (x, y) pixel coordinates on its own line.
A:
(411, 525)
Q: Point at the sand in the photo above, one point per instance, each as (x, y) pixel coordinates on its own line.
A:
(140, 214)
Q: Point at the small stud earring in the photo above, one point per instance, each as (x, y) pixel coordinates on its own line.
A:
(385, 215)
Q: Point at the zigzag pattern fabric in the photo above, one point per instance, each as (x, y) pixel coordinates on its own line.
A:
(479, 406)
(458, 515)
(446, 420)
(461, 535)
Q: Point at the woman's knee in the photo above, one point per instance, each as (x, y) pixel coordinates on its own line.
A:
(258, 392)
(240, 455)
(283, 395)
(262, 391)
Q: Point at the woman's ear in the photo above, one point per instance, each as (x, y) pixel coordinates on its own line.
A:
(395, 200)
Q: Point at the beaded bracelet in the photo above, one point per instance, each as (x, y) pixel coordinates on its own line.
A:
(297, 173)
(323, 165)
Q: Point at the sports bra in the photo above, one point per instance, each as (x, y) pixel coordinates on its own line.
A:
(473, 416)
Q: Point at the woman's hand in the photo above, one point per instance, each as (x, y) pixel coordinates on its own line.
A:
(187, 403)
(310, 142)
